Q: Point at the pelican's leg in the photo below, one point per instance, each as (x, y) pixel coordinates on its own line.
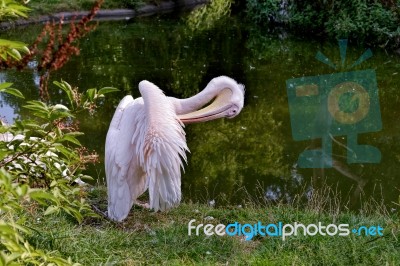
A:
(144, 205)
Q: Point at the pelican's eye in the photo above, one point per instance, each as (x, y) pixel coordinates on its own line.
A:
(233, 112)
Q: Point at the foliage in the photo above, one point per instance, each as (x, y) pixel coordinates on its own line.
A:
(43, 162)
(371, 21)
(6, 87)
(15, 250)
(263, 11)
(361, 20)
(307, 16)
(205, 17)
(79, 101)
(11, 8)
(41, 158)
(47, 154)
(12, 49)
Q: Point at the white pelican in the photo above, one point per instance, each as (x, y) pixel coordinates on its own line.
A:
(146, 143)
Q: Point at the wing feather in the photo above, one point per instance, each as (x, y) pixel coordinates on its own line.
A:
(126, 179)
(164, 148)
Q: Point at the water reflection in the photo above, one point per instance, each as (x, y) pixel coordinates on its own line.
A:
(7, 111)
(256, 149)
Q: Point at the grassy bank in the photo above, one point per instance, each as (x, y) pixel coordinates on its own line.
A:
(162, 238)
(45, 7)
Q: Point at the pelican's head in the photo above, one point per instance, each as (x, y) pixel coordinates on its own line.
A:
(228, 101)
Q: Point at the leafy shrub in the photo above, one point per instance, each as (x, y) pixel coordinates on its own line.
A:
(15, 250)
(306, 16)
(263, 11)
(362, 21)
(208, 15)
(40, 160)
(11, 8)
(371, 21)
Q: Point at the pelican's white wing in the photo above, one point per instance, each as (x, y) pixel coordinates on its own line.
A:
(125, 177)
(164, 147)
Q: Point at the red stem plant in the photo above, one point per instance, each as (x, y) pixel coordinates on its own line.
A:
(58, 48)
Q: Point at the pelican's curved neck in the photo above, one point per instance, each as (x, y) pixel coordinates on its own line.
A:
(194, 103)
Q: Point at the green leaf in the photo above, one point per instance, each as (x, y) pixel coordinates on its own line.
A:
(12, 8)
(51, 209)
(22, 189)
(91, 94)
(14, 54)
(4, 154)
(58, 115)
(74, 213)
(7, 259)
(65, 151)
(4, 228)
(20, 10)
(105, 90)
(40, 195)
(86, 178)
(28, 124)
(75, 133)
(37, 106)
(59, 111)
(68, 90)
(13, 91)
(13, 44)
(5, 85)
(16, 143)
(11, 48)
(71, 139)
(39, 109)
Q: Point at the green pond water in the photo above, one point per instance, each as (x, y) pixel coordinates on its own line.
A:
(255, 153)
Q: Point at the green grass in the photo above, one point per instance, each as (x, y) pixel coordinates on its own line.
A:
(45, 7)
(148, 238)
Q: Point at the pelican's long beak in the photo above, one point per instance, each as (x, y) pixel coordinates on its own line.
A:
(217, 109)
